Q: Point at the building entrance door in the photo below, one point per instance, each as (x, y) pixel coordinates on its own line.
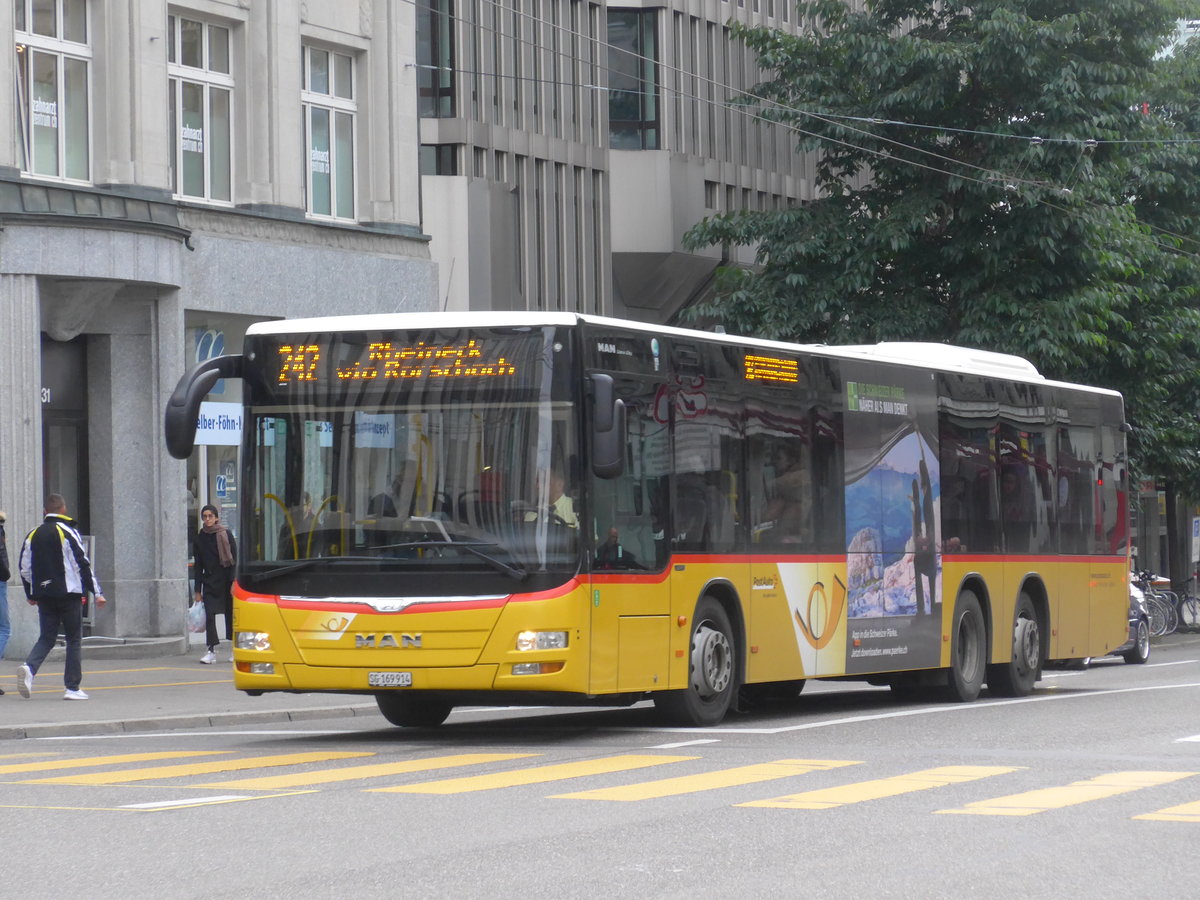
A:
(64, 425)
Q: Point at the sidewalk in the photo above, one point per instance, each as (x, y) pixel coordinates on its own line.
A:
(157, 690)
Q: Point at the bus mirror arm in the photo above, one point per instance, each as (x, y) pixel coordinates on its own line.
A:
(179, 421)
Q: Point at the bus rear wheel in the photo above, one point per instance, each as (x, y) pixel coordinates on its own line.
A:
(712, 670)
(968, 649)
(1016, 678)
(412, 710)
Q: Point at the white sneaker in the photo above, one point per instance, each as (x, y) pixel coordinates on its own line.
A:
(24, 680)
(75, 695)
(209, 658)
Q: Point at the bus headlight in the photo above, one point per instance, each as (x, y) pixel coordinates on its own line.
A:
(541, 640)
(253, 640)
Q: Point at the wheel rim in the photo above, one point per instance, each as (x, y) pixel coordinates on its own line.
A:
(1143, 638)
(712, 661)
(1026, 644)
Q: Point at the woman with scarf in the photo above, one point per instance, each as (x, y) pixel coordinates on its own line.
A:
(213, 553)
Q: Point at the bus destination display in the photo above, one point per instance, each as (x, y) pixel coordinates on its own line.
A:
(384, 361)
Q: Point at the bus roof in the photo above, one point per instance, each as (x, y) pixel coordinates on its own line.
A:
(927, 355)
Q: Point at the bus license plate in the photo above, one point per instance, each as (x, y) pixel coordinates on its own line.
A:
(389, 679)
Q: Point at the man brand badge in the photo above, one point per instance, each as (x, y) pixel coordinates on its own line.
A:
(387, 640)
(820, 634)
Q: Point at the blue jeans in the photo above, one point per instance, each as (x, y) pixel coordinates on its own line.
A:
(5, 622)
(55, 613)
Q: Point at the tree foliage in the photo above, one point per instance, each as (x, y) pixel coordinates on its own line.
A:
(1002, 174)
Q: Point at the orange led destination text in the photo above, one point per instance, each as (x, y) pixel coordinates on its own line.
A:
(770, 368)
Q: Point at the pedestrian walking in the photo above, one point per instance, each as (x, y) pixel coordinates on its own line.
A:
(5, 574)
(56, 573)
(213, 553)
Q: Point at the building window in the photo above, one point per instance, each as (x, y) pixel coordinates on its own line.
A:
(633, 79)
(438, 159)
(53, 58)
(329, 114)
(435, 58)
(200, 94)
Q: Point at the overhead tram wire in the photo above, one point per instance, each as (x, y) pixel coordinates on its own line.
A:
(993, 174)
(745, 112)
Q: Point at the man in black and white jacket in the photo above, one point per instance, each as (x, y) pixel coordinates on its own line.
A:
(57, 573)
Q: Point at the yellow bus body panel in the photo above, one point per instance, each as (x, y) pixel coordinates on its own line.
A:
(631, 633)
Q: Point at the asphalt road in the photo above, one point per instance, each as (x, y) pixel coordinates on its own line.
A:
(1089, 787)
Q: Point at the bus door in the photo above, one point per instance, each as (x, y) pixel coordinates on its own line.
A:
(630, 586)
(793, 487)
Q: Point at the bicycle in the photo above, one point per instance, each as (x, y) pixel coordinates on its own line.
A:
(1189, 610)
(1164, 618)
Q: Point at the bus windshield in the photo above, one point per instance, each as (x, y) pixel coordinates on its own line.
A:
(411, 486)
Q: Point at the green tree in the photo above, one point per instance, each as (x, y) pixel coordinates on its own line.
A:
(990, 173)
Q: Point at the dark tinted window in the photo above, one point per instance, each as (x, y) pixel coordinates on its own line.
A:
(968, 418)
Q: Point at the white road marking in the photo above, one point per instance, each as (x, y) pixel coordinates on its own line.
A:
(164, 804)
(684, 744)
(922, 711)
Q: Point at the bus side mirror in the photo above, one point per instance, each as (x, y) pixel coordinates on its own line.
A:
(179, 420)
(608, 428)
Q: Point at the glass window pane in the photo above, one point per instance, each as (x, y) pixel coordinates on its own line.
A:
(345, 165)
(191, 137)
(19, 15)
(318, 164)
(218, 49)
(343, 76)
(75, 21)
(219, 158)
(24, 108)
(75, 101)
(318, 71)
(191, 43)
(171, 25)
(45, 114)
(172, 91)
(45, 21)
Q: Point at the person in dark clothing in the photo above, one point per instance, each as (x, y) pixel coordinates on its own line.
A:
(57, 573)
(5, 574)
(213, 553)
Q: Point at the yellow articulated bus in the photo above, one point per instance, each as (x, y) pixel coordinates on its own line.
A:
(535, 508)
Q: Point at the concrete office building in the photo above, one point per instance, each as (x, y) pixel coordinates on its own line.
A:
(168, 174)
(567, 146)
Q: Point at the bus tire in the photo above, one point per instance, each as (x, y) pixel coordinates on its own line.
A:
(968, 649)
(712, 670)
(412, 710)
(1017, 677)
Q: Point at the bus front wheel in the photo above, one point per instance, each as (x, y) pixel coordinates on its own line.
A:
(968, 649)
(1017, 677)
(412, 710)
(712, 670)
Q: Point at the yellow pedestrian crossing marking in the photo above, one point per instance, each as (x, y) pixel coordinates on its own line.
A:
(87, 762)
(1184, 812)
(373, 770)
(1098, 788)
(535, 775)
(707, 781)
(843, 795)
(151, 773)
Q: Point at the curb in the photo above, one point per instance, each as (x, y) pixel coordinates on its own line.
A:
(169, 723)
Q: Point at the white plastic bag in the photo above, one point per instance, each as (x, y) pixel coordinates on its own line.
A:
(195, 617)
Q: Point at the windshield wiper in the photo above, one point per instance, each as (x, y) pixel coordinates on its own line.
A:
(519, 573)
(258, 575)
